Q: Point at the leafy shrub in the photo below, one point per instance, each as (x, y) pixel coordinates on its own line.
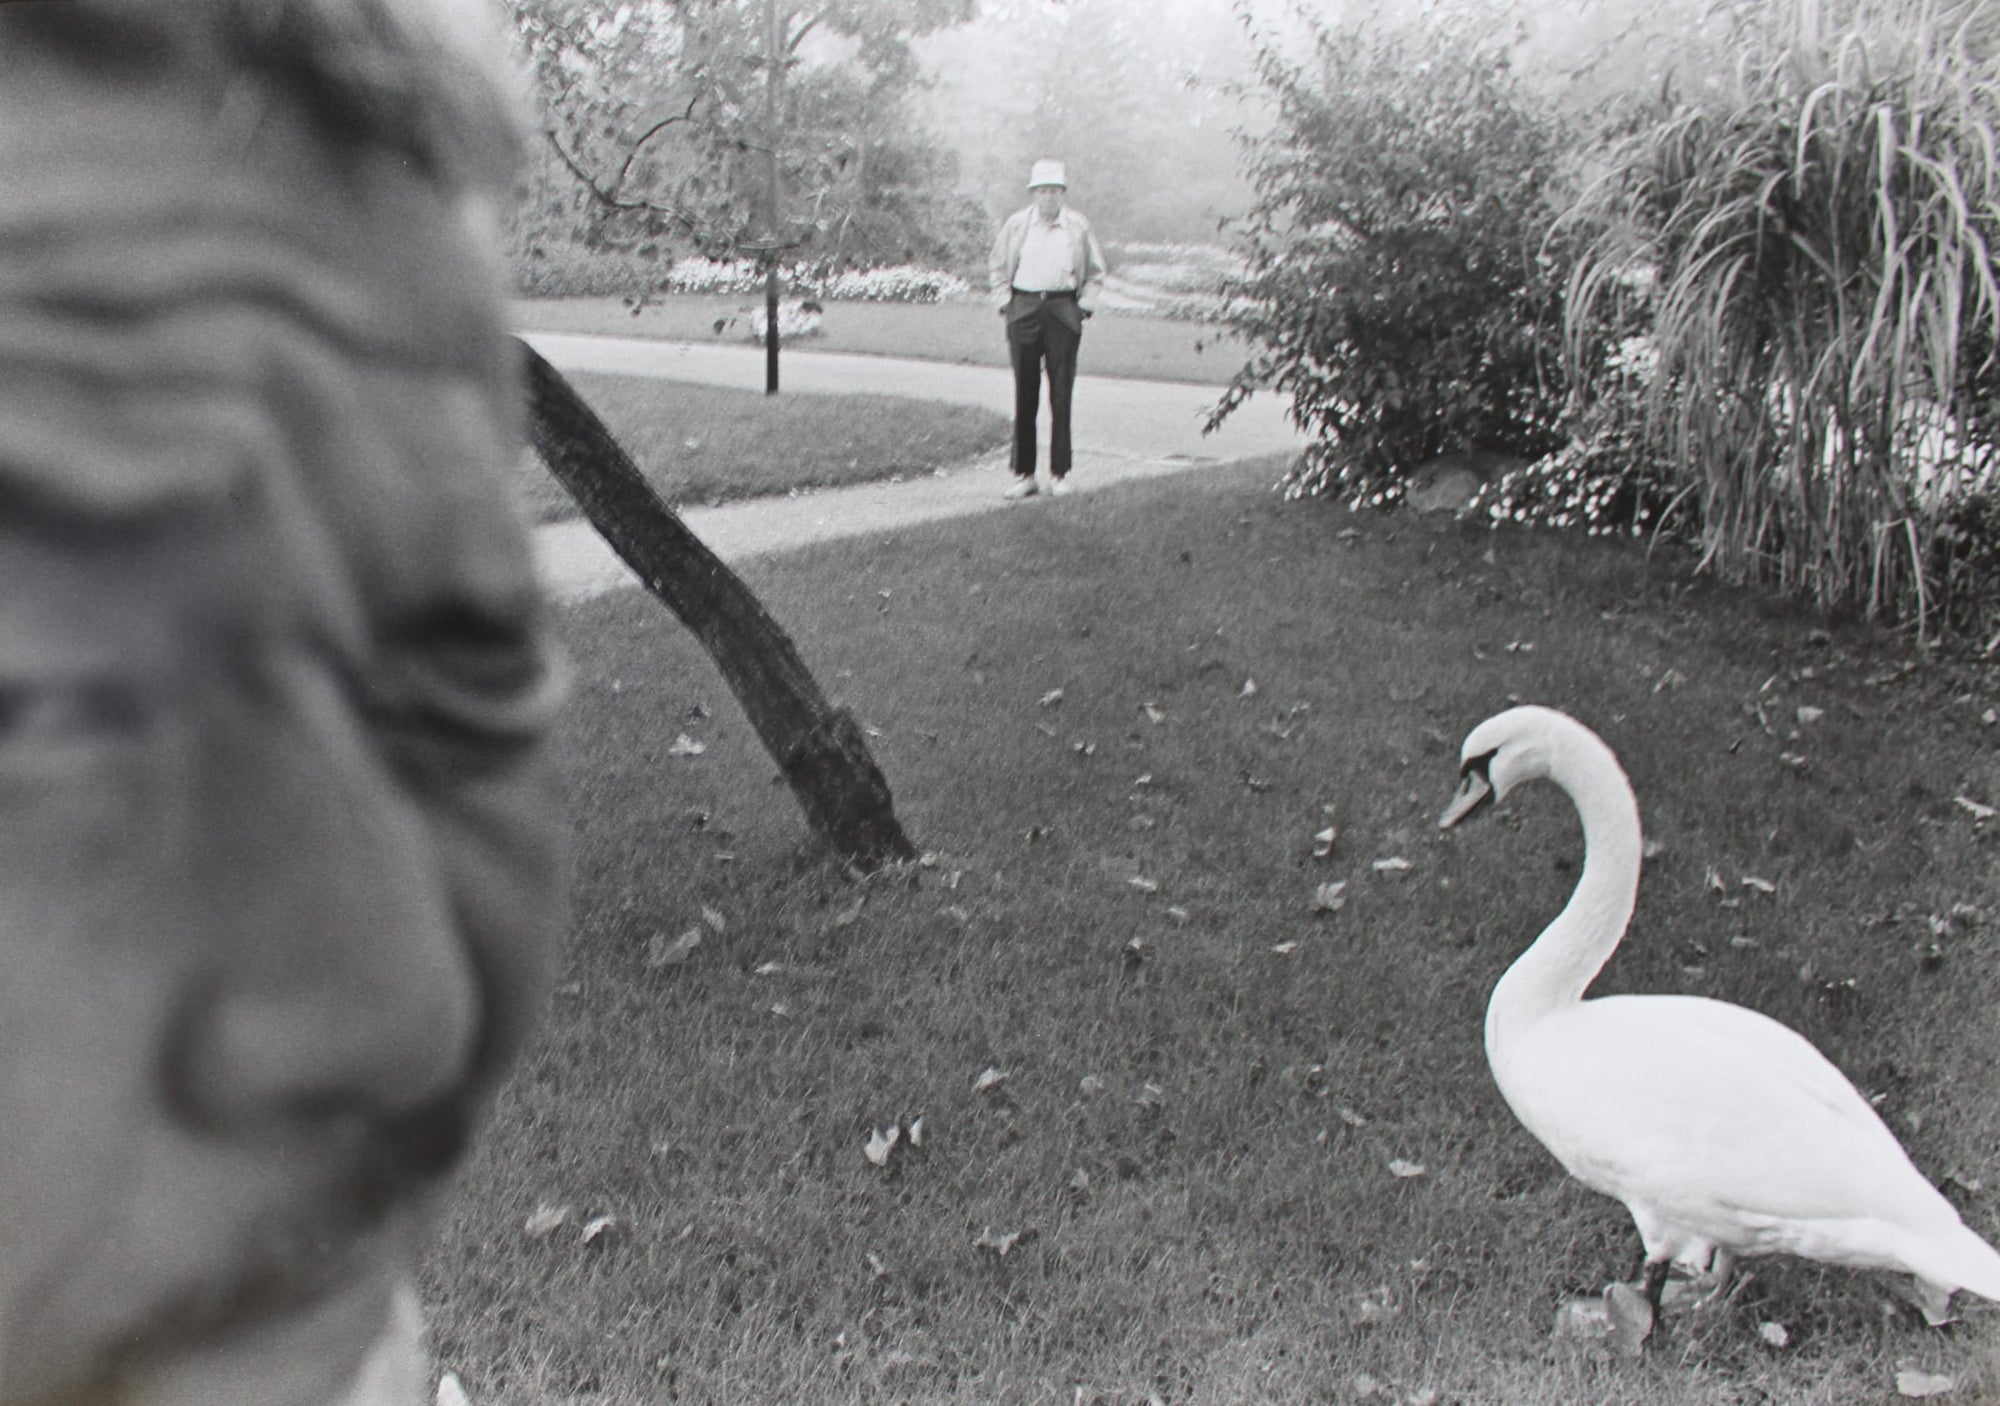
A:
(1399, 281)
(1809, 247)
(1962, 569)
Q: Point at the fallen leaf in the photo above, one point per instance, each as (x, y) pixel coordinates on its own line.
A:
(1773, 1335)
(1285, 949)
(1079, 1184)
(1323, 841)
(1751, 881)
(1050, 699)
(451, 1391)
(1249, 689)
(1714, 880)
(1794, 761)
(1808, 715)
(1912, 1382)
(1090, 1084)
(1975, 809)
(664, 951)
(598, 1231)
(876, 1268)
(1394, 864)
(1330, 897)
(1153, 714)
(1376, 1306)
(1143, 779)
(998, 1244)
(989, 1078)
(881, 1144)
(769, 969)
(846, 916)
(1398, 1167)
(685, 746)
(1350, 1117)
(1177, 913)
(546, 1221)
(1144, 884)
(1150, 1096)
(1672, 678)
(1366, 1387)
(914, 1133)
(714, 919)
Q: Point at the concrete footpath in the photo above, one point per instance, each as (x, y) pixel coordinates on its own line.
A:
(1123, 430)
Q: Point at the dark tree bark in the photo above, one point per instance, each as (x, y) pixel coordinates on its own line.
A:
(818, 747)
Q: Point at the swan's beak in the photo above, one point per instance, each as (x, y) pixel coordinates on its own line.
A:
(1474, 791)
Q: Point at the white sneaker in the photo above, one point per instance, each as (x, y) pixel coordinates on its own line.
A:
(1021, 488)
(1058, 487)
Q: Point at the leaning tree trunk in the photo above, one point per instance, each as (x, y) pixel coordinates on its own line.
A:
(818, 747)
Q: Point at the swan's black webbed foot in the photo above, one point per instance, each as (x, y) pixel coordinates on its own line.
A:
(1656, 1282)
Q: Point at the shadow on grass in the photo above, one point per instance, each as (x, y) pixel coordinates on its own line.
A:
(1206, 1081)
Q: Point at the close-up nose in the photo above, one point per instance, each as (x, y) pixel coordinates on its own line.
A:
(337, 981)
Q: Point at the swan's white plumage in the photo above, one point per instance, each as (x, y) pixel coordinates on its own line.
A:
(1716, 1126)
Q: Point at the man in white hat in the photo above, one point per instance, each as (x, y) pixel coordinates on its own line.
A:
(1045, 273)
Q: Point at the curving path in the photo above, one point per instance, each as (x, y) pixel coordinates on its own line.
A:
(1124, 429)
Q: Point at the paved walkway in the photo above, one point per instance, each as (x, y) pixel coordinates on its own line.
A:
(1124, 430)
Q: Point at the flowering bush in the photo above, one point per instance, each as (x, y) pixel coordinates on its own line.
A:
(1591, 485)
(900, 284)
(1604, 480)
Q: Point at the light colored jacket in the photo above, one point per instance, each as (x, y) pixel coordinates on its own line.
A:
(1086, 259)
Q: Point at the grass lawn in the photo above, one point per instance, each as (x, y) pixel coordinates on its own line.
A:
(1182, 1188)
(707, 444)
(1114, 344)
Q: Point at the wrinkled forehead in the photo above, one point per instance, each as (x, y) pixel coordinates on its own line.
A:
(208, 302)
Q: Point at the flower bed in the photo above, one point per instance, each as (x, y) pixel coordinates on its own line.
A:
(899, 284)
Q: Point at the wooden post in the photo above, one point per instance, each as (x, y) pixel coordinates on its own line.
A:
(819, 748)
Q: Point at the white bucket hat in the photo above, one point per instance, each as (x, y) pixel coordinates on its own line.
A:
(1047, 173)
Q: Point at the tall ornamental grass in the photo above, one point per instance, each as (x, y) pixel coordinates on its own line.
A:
(1809, 244)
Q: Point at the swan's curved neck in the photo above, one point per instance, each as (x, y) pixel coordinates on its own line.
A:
(1554, 972)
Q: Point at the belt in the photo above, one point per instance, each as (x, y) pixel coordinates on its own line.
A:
(1069, 293)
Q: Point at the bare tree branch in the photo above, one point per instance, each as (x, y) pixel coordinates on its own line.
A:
(677, 212)
(625, 167)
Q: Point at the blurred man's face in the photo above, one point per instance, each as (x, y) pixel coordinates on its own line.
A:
(279, 852)
(1048, 201)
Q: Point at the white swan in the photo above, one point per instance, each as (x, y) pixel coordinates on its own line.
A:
(1722, 1131)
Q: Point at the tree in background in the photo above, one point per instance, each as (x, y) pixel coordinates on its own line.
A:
(1807, 247)
(1400, 287)
(657, 138)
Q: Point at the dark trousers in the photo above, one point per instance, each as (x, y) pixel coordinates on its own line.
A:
(1043, 330)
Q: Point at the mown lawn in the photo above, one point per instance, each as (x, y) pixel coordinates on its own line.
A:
(1114, 344)
(706, 444)
(1205, 1081)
